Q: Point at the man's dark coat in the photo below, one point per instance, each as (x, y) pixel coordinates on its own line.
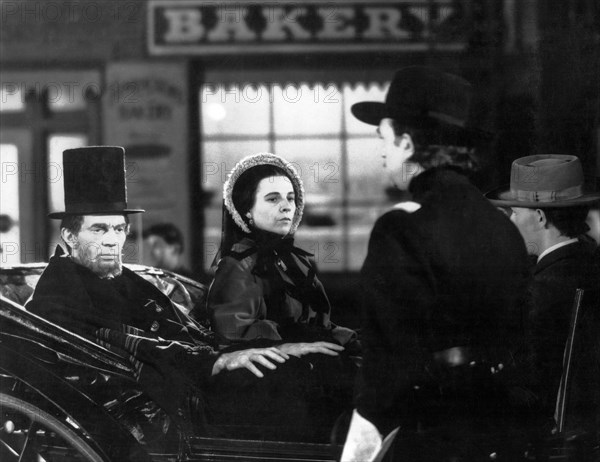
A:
(170, 353)
(555, 278)
(450, 274)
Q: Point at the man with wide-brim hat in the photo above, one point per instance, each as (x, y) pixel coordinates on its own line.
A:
(548, 201)
(441, 279)
(89, 291)
(429, 118)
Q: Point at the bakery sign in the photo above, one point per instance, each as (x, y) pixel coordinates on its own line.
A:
(195, 27)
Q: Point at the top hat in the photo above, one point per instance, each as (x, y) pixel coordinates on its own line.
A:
(427, 98)
(94, 182)
(544, 180)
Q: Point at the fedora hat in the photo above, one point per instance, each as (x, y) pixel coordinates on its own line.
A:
(427, 98)
(94, 182)
(544, 180)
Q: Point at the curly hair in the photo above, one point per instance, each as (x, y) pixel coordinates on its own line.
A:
(430, 152)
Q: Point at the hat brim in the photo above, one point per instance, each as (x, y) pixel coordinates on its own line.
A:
(502, 197)
(61, 215)
(371, 112)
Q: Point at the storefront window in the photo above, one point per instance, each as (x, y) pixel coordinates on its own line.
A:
(11, 98)
(67, 97)
(312, 127)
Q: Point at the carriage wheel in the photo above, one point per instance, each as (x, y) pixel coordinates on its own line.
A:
(30, 434)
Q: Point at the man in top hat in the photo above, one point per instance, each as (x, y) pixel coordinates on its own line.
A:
(548, 203)
(442, 281)
(89, 290)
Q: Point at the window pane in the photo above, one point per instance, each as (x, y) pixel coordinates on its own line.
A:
(318, 162)
(360, 223)
(10, 236)
(12, 98)
(56, 196)
(65, 89)
(367, 182)
(307, 110)
(240, 109)
(356, 94)
(326, 244)
(219, 159)
(367, 177)
(67, 96)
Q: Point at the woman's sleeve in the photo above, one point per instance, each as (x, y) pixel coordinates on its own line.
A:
(236, 303)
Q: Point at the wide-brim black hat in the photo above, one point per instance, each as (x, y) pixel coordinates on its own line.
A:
(94, 182)
(545, 181)
(426, 98)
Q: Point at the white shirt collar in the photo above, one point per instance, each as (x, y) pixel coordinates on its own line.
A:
(407, 206)
(556, 246)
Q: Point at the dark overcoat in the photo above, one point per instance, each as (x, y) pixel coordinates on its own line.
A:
(555, 278)
(71, 296)
(171, 354)
(450, 274)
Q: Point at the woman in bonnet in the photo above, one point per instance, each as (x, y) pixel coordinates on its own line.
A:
(264, 286)
(265, 290)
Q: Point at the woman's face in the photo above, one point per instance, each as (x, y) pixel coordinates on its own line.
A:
(274, 205)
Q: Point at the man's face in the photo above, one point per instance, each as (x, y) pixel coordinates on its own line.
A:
(160, 253)
(528, 223)
(99, 243)
(395, 151)
(593, 221)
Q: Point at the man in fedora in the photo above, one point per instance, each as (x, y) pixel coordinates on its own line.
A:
(548, 202)
(89, 290)
(441, 281)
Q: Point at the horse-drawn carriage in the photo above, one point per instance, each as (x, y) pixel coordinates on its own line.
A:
(63, 397)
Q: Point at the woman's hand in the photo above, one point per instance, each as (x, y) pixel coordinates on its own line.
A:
(247, 358)
(301, 349)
